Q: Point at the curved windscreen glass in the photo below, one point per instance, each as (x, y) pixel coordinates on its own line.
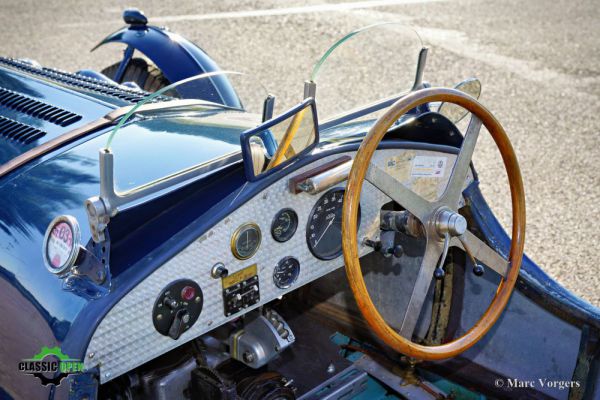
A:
(164, 135)
(369, 64)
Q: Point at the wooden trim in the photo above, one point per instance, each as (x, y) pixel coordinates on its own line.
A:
(53, 144)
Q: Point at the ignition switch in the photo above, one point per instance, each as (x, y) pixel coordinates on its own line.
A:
(177, 308)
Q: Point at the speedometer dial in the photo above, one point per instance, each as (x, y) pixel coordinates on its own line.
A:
(324, 227)
(286, 272)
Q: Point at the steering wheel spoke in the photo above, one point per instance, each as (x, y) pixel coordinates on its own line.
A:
(453, 191)
(481, 252)
(433, 251)
(415, 204)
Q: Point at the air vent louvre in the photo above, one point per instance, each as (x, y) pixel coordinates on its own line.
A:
(36, 108)
(80, 81)
(18, 132)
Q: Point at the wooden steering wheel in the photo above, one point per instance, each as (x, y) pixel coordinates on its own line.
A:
(443, 226)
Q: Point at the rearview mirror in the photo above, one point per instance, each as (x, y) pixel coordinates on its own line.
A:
(455, 113)
(278, 141)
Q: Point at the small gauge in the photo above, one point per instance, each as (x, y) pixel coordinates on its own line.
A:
(245, 241)
(284, 225)
(286, 272)
(61, 244)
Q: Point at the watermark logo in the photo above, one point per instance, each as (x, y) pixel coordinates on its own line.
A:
(51, 366)
(512, 383)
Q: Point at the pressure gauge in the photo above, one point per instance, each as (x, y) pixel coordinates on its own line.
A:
(284, 225)
(286, 272)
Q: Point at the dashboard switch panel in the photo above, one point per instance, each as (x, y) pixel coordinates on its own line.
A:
(177, 307)
(240, 290)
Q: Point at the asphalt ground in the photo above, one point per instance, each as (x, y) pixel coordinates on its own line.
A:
(538, 61)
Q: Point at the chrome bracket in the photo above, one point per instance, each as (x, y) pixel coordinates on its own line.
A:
(90, 276)
(310, 89)
(100, 209)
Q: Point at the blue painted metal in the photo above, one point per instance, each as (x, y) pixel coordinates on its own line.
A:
(77, 103)
(177, 58)
(66, 178)
(245, 139)
(127, 56)
(69, 176)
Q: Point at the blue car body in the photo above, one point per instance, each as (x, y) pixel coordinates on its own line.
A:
(35, 307)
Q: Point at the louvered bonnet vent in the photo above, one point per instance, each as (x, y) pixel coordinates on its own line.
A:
(25, 119)
(18, 132)
(36, 108)
(80, 81)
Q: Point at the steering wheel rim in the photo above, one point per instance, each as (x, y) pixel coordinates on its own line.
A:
(362, 168)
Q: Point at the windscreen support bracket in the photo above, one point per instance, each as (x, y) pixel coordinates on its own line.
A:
(100, 209)
(310, 89)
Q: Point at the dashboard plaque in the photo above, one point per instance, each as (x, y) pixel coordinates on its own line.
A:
(239, 276)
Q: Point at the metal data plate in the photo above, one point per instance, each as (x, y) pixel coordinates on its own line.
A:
(241, 295)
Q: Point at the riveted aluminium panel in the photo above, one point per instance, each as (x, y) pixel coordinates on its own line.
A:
(126, 337)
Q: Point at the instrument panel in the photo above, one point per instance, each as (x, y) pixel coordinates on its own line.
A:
(276, 242)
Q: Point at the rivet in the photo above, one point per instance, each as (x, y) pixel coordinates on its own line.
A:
(159, 317)
(91, 355)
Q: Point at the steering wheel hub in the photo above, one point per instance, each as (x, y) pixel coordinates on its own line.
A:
(451, 223)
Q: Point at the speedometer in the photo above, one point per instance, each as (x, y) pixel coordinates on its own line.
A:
(324, 227)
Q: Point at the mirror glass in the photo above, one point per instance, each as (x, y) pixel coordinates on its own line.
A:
(454, 112)
(280, 139)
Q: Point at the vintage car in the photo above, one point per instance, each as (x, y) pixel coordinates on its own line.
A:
(160, 239)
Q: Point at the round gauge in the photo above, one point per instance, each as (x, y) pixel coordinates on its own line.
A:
(286, 272)
(284, 225)
(61, 244)
(245, 241)
(324, 227)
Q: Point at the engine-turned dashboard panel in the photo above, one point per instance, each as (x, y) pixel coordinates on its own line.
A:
(275, 243)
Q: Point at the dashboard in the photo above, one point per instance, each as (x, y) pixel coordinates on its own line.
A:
(275, 243)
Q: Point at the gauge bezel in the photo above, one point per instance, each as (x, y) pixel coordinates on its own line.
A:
(312, 212)
(284, 259)
(72, 223)
(236, 236)
(273, 223)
